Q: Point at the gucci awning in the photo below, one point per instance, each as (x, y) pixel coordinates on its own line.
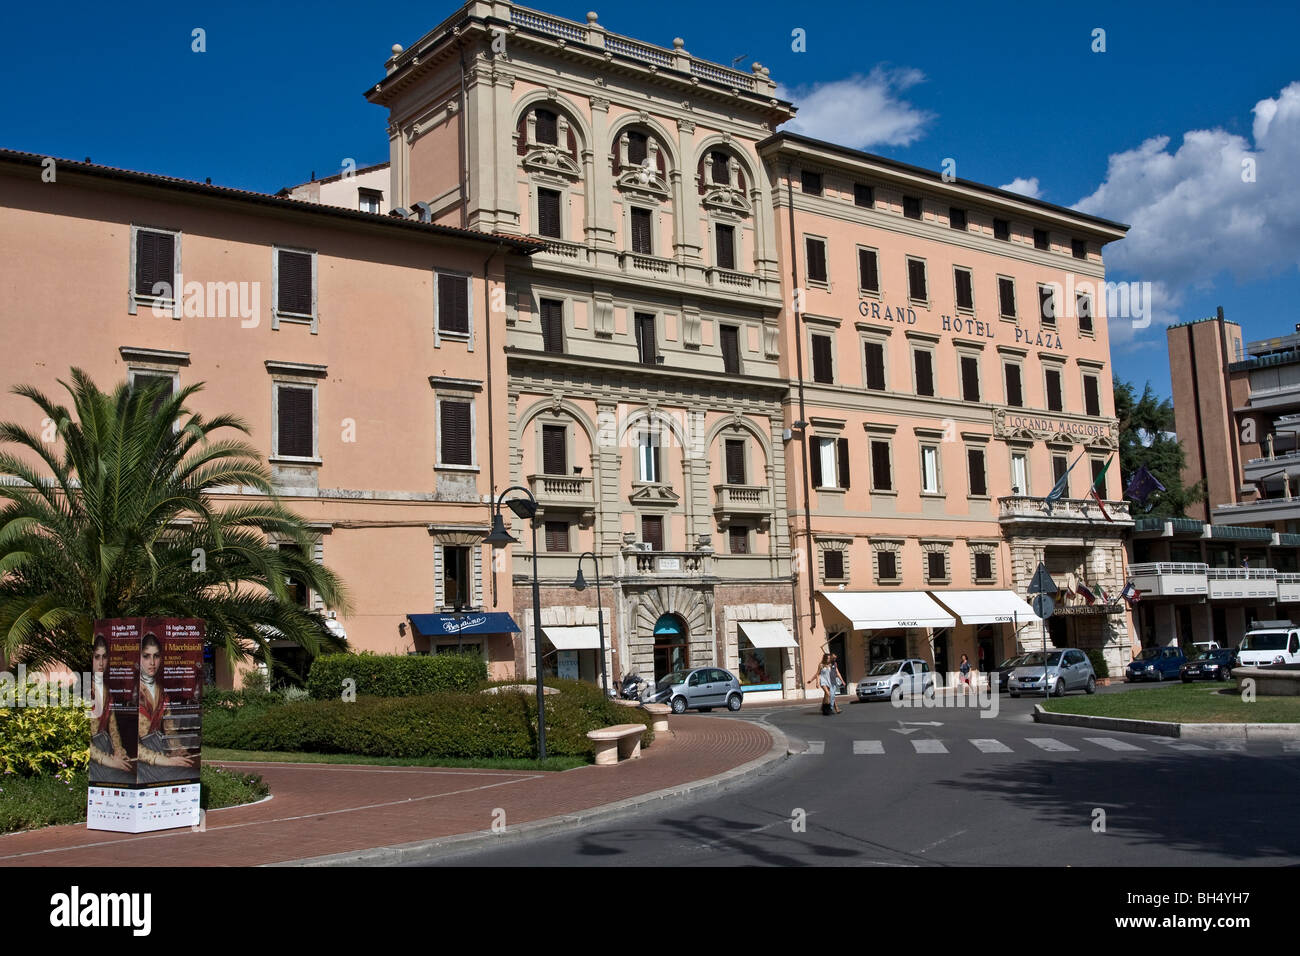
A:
(468, 624)
(877, 610)
(986, 607)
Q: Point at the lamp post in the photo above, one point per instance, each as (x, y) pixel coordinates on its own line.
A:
(499, 538)
(580, 584)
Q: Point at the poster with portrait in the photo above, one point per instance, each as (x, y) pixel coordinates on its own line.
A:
(171, 669)
(114, 735)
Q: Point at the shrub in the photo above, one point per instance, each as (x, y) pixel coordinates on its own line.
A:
(44, 741)
(1098, 659)
(392, 676)
(448, 724)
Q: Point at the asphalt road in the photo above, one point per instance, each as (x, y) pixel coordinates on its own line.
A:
(886, 786)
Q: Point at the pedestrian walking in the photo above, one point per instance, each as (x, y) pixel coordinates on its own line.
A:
(836, 680)
(965, 670)
(823, 678)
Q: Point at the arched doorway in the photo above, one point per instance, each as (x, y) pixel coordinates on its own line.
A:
(672, 648)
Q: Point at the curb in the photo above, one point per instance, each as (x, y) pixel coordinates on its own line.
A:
(1159, 728)
(426, 851)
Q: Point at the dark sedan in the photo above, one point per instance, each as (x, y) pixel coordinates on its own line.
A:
(1209, 665)
(1004, 671)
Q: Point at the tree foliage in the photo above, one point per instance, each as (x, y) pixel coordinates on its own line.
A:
(1146, 437)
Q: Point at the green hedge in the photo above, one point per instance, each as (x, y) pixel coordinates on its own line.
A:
(1099, 665)
(391, 676)
(448, 724)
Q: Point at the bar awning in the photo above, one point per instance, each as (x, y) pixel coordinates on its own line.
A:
(876, 610)
(986, 607)
(765, 634)
(585, 638)
(468, 624)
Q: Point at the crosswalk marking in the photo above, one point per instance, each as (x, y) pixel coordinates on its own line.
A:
(1182, 745)
(868, 746)
(926, 745)
(1048, 744)
(991, 746)
(816, 746)
(1110, 743)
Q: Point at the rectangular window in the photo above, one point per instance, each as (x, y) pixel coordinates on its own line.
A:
(552, 325)
(816, 259)
(738, 536)
(1006, 297)
(735, 452)
(888, 563)
(721, 168)
(875, 355)
(457, 582)
(729, 339)
(641, 227)
(652, 531)
(1042, 240)
(370, 200)
(1053, 379)
(1015, 388)
(1091, 396)
(965, 288)
(647, 467)
(299, 593)
(646, 348)
(1079, 248)
(868, 270)
(1097, 465)
(864, 195)
(923, 360)
(294, 275)
(822, 462)
(822, 367)
(725, 240)
(455, 447)
(165, 384)
(557, 536)
(929, 469)
(548, 127)
(834, 563)
(453, 304)
(1059, 466)
(1002, 230)
(1019, 473)
(957, 218)
(881, 472)
(970, 378)
(936, 566)
(296, 431)
(555, 450)
(1083, 309)
(811, 182)
(548, 213)
(155, 262)
(916, 284)
(912, 207)
(1047, 305)
(983, 566)
(638, 147)
(979, 485)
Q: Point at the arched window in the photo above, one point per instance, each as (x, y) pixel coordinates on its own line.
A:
(546, 139)
(639, 163)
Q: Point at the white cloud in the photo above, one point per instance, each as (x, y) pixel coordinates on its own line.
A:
(1026, 187)
(1193, 214)
(861, 111)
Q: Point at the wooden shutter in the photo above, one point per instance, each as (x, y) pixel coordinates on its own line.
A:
(730, 340)
(936, 565)
(810, 182)
(970, 380)
(739, 535)
(554, 448)
(875, 355)
(552, 325)
(1059, 466)
(868, 270)
(957, 218)
(454, 421)
(295, 422)
(1041, 239)
(725, 239)
(1046, 305)
(521, 135)
(916, 286)
(834, 562)
(965, 291)
(816, 260)
(557, 536)
(548, 213)
(735, 462)
(1002, 230)
(155, 261)
(652, 532)
(1091, 398)
(1079, 248)
(547, 129)
(888, 565)
(924, 372)
(983, 566)
(1007, 297)
(295, 282)
(1015, 391)
(842, 460)
(1054, 390)
(453, 304)
(572, 140)
(1083, 309)
(721, 168)
(821, 359)
(815, 461)
(975, 462)
(645, 338)
(912, 207)
(641, 238)
(880, 477)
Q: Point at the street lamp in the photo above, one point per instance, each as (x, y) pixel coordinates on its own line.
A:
(499, 538)
(581, 585)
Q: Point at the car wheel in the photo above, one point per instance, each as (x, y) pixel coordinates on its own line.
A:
(1091, 687)
(896, 694)
(733, 702)
(1059, 689)
(679, 705)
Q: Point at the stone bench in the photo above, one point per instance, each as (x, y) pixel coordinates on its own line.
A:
(620, 742)
(660, 714)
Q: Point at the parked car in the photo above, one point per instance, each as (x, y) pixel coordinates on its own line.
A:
(1270, 642)
(1156, 663)
(1053, 672)
(1005, 669)
(1209, 665)
(895, 678)
(700, 689)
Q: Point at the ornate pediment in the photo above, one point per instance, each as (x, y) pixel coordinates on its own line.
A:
(634, 180)
(654, 495)
(727, 197)
(553, 161)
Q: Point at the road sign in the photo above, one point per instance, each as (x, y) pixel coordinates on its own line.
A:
(1044, 605)
(1042, 582)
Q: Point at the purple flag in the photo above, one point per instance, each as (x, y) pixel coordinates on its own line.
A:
(1142, 485)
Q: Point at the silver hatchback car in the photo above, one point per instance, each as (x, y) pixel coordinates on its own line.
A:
(1067, 669)
(702, 688)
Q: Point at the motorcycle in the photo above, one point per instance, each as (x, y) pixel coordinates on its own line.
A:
(635, 687)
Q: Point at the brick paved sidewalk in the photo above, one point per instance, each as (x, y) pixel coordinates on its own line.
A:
(321, 809)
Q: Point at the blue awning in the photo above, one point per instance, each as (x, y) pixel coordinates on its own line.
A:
(463, 625)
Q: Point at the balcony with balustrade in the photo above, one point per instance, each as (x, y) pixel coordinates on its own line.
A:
(565, 493)
(1242, 584)
(1026, 511)
(742, 501)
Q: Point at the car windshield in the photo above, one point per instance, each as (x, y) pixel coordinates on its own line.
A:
(676, 677)
(1208, 656)
(885, 667)
(1269, 641)
(1036, 659)
(1150, 654)
(1009, 663)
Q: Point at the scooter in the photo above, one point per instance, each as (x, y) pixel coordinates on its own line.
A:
(635, 687)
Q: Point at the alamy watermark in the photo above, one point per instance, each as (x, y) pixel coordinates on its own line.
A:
(37, 690)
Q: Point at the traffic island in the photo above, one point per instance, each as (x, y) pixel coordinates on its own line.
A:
(1194, 710)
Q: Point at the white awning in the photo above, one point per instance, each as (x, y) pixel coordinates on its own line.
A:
(767, 634)
(876, 610)
(585, 638)
(986, 607)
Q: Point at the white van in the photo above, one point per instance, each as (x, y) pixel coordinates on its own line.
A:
(1270, 642)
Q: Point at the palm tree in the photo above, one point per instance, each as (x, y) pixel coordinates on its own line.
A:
(125, 525)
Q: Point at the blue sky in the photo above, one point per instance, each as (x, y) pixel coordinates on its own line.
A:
(1012, 92)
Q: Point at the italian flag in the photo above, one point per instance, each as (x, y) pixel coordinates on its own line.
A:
(1093, 490)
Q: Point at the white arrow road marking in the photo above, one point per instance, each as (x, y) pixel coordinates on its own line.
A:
(991, 746)
(868, 747)
(1048, 744)
(816, 746)
(1110, 743)
(927, 745)
(921, 723)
